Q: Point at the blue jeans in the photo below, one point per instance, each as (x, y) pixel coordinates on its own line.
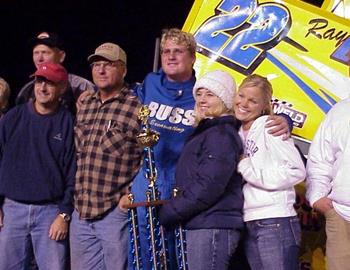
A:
(273, 243)
(24, 223)
(99, 244)
(211, 249)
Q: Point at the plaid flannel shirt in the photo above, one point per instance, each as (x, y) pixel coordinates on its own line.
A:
(108, 156)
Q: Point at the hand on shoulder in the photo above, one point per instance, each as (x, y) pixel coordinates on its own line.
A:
(278, 125)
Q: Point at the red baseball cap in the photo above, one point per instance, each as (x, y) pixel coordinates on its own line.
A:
(52, 72)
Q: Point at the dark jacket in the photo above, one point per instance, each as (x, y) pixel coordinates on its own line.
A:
(210, 187)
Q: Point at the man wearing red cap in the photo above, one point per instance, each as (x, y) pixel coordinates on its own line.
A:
(37, 169)
(48, 47)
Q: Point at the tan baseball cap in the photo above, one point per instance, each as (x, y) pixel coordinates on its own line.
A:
(109, 51)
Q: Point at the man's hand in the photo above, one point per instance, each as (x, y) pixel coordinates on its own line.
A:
(323, 205)
(124, 200)
(58, 229)
(1, 218)
(82, 97)
(279, 126)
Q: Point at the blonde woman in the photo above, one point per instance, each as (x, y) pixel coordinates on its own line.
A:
(270, 167)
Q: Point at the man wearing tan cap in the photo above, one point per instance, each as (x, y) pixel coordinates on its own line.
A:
(49, 47)
(37, 170)
(108, 158)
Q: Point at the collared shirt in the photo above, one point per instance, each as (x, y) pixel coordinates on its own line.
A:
(108, 155)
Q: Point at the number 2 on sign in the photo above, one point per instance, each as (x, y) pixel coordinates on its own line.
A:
(241, 31)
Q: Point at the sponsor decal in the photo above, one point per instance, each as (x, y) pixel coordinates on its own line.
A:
(169, 117)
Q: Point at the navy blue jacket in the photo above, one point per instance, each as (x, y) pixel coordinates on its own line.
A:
(210, 187)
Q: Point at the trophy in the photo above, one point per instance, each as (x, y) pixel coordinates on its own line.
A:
(147, 138)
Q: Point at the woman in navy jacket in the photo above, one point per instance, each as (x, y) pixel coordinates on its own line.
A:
(209, 203)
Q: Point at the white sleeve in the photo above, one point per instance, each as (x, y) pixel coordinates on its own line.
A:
(279, 167)
(320, 163)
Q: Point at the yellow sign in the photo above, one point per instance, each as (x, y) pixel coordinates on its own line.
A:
(300, 48)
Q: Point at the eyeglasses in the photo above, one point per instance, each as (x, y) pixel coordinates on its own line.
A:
(176, 52)
(106, 65)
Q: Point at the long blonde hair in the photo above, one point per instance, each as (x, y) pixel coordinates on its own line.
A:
(255, 80)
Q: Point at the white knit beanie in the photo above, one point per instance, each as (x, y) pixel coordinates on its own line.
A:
(220, 83)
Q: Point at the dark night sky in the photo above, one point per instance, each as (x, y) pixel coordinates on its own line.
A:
(84, 25)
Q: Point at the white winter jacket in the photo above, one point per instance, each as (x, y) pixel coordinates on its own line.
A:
(271, 170)
(328, 165)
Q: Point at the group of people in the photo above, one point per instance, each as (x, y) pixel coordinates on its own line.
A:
(69, 158)
(212, 205)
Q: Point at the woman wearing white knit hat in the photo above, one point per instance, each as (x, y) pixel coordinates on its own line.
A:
(210, 200)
